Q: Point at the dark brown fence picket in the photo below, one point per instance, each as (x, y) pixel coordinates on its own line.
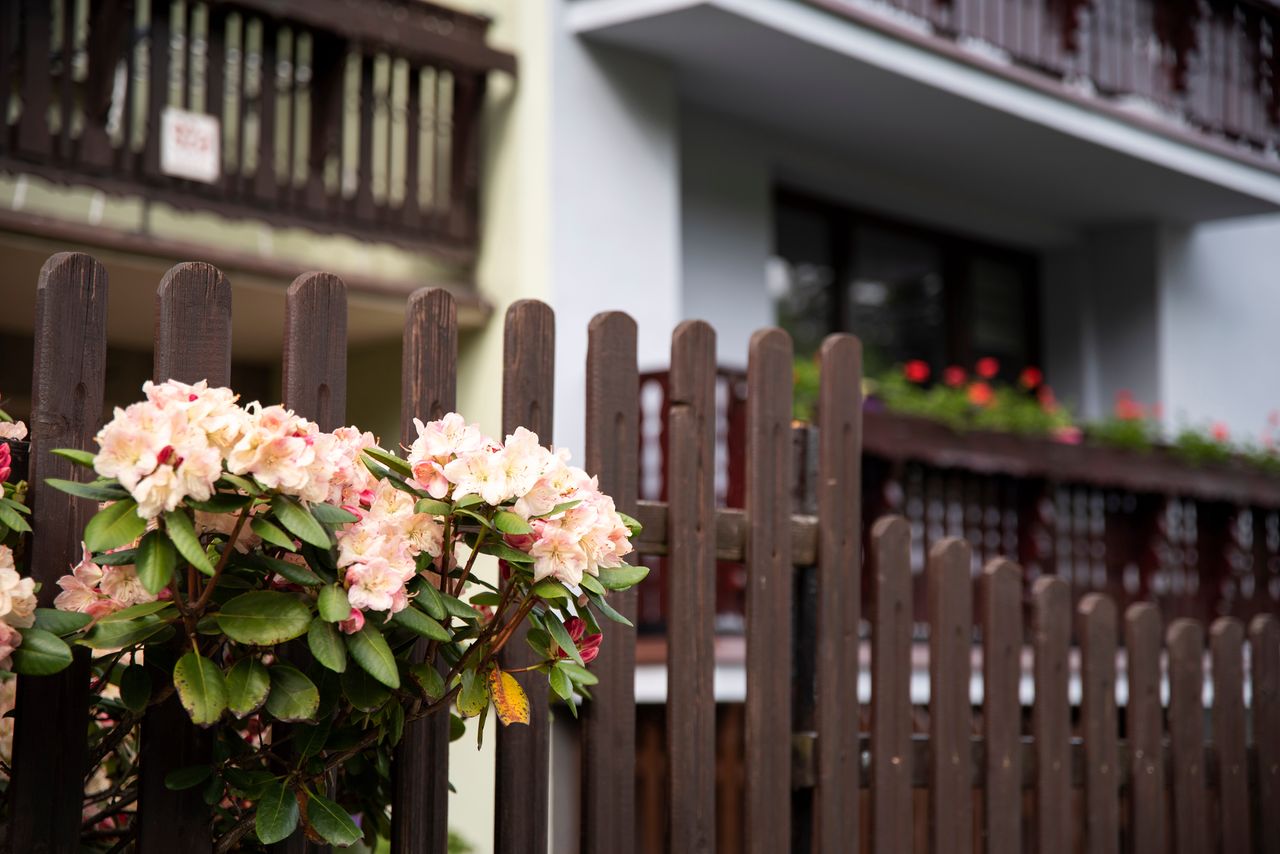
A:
(523, 761)
(50, 735)
(1145, 718)
(950, 710)
(609, 720)
(1001, 593)
(1226, 642)
(1097, 635)
(691, 590)
(891, 808)
(769, 589)
(428, 390)
(1185, 642)
(314, 385)
(839, 756)
(1264, 670)
(1051, 715)
(193, 343)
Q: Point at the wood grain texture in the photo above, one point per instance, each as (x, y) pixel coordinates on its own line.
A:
(1051, 715)
(193, 343)
(1097, 632)
(1185, 642)
(1226, 646)
(1001, 597)
(315, 349)
(420, 763)
(769, 593)
(891, 809)
(1264, 673)
(49, 728)
(950, 592)
(521, 810)
(609, 720)
(839, 535)
(691, 591)
(1145, 724)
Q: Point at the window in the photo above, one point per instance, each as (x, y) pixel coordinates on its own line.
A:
(906, 291)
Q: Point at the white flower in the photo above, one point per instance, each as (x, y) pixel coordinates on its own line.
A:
(557, 554)
(14, 430)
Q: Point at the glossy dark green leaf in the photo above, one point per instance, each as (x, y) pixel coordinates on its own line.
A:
(109, 491)
(333, 605)
(135, 687)
(428, 679)
(362, 690)
(561, 636)
(293, 696)
(13, 519)
(457, 608)
(202, 689)
(114, 526)
(549, 588)
(222, 503)
(40, 654)
(177, 524)
(277, 814)
(156, 560)
(391, 461)
(247, 686)
(561, 683)
(325, 643)
(509, 523)
(416, 621)
(264, 617)
(429, 600)
(330, 515)
(331, 821)
(299, 522)
(77, 456)
(187, 778)
(370, 650)
(622, 577)
(434, 507)
(61, 623)
(119, 634)
(272, 534)
(605, 608)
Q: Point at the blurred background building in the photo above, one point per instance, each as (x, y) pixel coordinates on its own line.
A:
(1091, 187)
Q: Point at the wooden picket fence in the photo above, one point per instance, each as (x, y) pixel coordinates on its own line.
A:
(815, 780)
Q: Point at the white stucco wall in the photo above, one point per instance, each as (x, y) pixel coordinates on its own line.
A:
(1219, 313)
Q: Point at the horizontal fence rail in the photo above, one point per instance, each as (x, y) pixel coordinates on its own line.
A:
(811, 761)
(354, 118)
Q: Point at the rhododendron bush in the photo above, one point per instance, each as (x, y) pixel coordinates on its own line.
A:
(266, 571)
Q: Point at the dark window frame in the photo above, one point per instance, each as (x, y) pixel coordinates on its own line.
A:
(955, 248)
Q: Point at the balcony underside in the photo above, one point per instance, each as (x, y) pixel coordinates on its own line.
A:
(916, 106)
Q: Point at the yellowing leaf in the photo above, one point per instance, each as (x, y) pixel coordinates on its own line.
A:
(509, 699)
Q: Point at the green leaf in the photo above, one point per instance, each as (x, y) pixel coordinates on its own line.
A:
(156, 560)
(293, 696)
(474, 696)
(632, 525)
(561, 636)
(17, 506)
(561, 683)
(123, 633)
(579, 674)
(41, 653)
(264, 617)
(77, 456)
(295, 572)
(143, 609)
(182, 533)
(590, 582)
(309, 739)
(187, 778)
(244, 484)
(331, 821)
(467, 501)
(116, 525)
(299, 522)
(432, 506)
(92, 491)
(622, 577)
(277, 814)
(202, 688)
(369, 648)
(325, 642)
(457, 727)
(431, 602)
(119, 557)
(221, 503)
(362, 690)
(247, 687)
(428, 679)
(391, 461)
(271, 534)
(486, 598)
(549, 588)
(607, 609)
(509, 523)
(135, 687)
(333, 605)
(416, 621)
(251, 783)
(13, 519)
(330, 515)
(456, 607)
(61, 623)
(502, 551)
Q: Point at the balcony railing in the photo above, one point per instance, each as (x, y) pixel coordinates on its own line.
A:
(1211, 64)
(336, 115)
(1199, 541)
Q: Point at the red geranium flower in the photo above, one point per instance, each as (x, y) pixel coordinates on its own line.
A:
(987, 368)
(980, 394)
(1127, 409)
(1030, 378)
(916, 371)
(954, 376)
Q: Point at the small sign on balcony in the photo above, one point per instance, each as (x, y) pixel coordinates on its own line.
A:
(190, 145)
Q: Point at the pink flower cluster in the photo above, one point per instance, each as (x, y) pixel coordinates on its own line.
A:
(453, 459)
(378, 553)
(175, 445)
(100, 590)
(17, 606)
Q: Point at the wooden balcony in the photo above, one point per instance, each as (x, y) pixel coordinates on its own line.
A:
(1213, 66)
(1199, 541)
(347, 117)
